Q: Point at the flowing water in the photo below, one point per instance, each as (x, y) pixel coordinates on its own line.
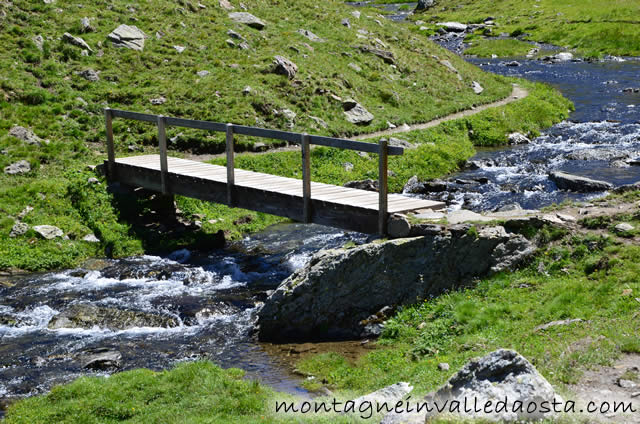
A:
(212, 298)
(600, 140)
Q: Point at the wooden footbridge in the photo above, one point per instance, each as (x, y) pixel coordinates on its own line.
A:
(300, 200)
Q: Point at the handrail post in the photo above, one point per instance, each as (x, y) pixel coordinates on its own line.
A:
(231, 179)
(306, 178)
(382, 187)
(164, 165)
(111, 152)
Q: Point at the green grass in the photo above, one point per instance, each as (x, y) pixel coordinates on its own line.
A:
(503, 312)
(593, 27)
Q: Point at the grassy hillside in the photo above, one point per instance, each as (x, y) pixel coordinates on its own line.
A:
(593, 27)
(42, 89)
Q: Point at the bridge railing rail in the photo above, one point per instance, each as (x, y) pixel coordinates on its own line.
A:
(382, 149)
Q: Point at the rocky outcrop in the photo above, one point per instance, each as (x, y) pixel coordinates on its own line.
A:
(128, 36)
(26, 135)
(452, 26)
(425, 4)
(89, 316)
(339, 292)
(76, 41)
(385, 55)
(503, 385)
(415, 186)
(247, 19)
(48, 232)
(518, 138)
(570, 182)
(283, 66)
(20, 167)
(356, 113)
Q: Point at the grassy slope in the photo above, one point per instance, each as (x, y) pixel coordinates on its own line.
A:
(41, 90)
(592, 27)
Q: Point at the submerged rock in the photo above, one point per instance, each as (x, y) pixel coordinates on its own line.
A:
(335, 294)
(101, 359)
(518, 138)
(89, 316)
(570, 182)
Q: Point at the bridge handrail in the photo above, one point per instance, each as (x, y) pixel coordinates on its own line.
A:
(305, 140)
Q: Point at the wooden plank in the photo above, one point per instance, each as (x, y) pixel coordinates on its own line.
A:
(164, 166)
(382, 187)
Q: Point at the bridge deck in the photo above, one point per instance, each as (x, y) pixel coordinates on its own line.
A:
(337, 206)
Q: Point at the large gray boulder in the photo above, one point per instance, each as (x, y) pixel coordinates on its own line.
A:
(340, 291)
(453, 26)
(425, 4)
(89, 316)
(48, 232)
(356, 113)
(26, 135)
(20, 167)
(570, 182)
(247, 19)
(283, 66)
(499, 376)
(128, 36)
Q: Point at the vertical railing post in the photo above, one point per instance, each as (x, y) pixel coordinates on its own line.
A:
(382, 188)
(306, 178)
(231, 178)
(162, 142)
(111, 152)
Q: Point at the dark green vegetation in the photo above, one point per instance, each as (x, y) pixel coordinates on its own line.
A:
(40, 89)
(593, 28)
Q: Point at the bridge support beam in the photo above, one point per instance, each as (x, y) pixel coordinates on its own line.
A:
(382, 187)
(306, 178)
